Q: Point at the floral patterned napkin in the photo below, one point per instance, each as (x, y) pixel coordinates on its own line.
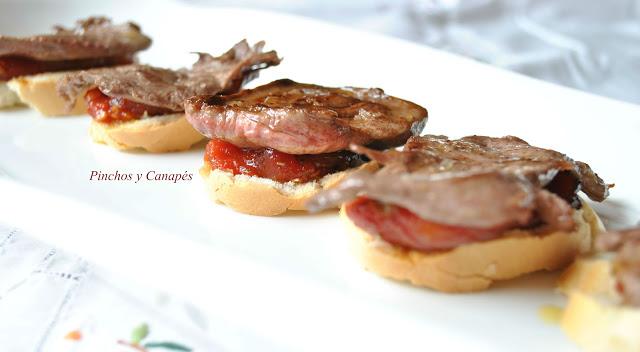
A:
(56, 301)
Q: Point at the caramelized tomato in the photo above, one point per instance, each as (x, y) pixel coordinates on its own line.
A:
(106, 109)
(12, 66)
(276, 165)
(402, 227)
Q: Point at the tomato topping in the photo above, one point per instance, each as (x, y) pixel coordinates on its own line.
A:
(12, 66)
(400, 226)
(275, 165)
(106, 109)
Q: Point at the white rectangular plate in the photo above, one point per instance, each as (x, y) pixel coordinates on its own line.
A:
(291, 279)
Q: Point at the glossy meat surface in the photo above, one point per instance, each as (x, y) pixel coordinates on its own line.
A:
(299, 118)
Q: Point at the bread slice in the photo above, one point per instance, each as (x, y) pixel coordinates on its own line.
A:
(594, 317)
(590, 275)
(39, 92)
(261, 196)
(7, 97)
(475, 266)
(156, 134)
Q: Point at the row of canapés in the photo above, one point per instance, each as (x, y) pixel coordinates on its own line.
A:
(452, 215)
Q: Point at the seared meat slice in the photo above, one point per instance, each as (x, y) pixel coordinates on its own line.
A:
(166, 88)
(511, 155)
(476, 181)
(298, 118)
(626, 263)
(489, 200)
(94, 37)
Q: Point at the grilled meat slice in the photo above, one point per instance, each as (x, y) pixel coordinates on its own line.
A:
(476, 182)
(298, 118)
(166, 88)
(94, 37)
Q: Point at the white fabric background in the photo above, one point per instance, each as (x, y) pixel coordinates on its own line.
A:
(46, 293)
(589, 45)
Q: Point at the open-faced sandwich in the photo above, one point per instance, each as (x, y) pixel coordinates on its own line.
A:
(457, 215)
(603, 313)
(140, 106)
(31, 66)
(274, 146)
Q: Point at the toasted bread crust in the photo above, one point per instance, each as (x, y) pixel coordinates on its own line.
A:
(7, 97)
(594, 317)
(260, 196)
(588, 275)
(474, 267)
(158, 134)
(39, 92)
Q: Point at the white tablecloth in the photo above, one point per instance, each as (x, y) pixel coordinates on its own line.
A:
(46, 294)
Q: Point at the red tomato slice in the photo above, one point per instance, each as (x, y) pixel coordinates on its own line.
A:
(402, 227)
(106, 109)
(275, 165)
